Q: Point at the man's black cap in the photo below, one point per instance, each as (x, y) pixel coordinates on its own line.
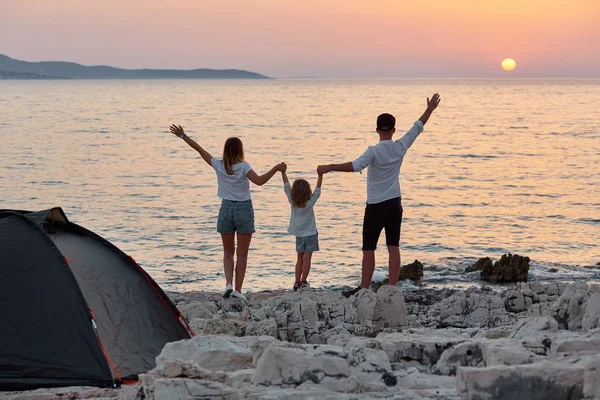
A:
(386, 122)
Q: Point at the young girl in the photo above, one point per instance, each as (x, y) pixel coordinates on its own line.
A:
(236, 213)
(303, 224)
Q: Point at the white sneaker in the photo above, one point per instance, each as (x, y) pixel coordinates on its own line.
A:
(238, 295)
(228, 290)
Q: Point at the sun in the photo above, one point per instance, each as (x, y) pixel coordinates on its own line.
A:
(508, 64)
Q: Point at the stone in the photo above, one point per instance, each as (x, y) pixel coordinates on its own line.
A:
(218, 353)
(278, 365)
(466, 354)
(539, 381)
(510, 268)
(214, 326)
(364, 303)
(528, 327)
(266, 327)
(182, 388)
(591, 315)
(568, 309)
(515, 301)
(482, 263)
(412, 271)
(503, 352)
(389, 310)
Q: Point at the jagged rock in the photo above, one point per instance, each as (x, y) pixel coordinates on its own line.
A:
(539, 381)
(212, 352)
(364, 303)
(510, 268)
(266, 327)
(215, 326)
(515, 301)
(591, 378)
(508, 352)
(591, 315)
(482, 263)
(389, 311)
(422, 346)
(470, 310)
(466, 354)
(279, 366)
(412, 271)
(568, 309)
(528, 327)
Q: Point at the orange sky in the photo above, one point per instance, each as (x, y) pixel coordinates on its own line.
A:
(327, 38)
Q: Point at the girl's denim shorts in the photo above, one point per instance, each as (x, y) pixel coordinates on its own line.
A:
(236, 216)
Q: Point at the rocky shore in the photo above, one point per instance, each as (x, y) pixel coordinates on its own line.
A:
(531, 341)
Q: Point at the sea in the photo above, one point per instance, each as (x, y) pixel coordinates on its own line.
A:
(503, 166)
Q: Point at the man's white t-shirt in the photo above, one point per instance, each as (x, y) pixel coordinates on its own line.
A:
(232, 187)
(384, 161)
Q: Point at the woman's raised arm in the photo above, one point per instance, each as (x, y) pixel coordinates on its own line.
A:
(177, 130)
(264, 178)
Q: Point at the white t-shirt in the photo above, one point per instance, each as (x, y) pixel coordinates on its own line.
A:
(302, 220)
(384, 161)
(232, 187)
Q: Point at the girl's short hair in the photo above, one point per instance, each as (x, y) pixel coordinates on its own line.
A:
(233, 153)
(301, 192)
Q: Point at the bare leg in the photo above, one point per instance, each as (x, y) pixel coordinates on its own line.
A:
(299, 267)
(228, 252)
(394, 265)
(242, 259)
(368, 267)
(306, 265)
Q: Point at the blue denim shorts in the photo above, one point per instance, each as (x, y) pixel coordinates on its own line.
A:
(307, 244)
(236, 216)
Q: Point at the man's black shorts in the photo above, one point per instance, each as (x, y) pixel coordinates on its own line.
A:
(385, 215)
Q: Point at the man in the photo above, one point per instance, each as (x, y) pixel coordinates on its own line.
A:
(384, 206)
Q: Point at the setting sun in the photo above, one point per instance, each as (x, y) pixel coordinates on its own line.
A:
(508, 64)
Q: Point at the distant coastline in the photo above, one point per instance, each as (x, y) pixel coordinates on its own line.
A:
(11, 68)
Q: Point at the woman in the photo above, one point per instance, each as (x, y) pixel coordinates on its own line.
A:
(236, 214)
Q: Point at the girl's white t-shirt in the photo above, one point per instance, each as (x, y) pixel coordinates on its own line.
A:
(302, 220)
(232, 187)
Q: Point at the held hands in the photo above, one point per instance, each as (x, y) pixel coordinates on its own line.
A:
(282, 167)
(433, 103)
(177, 130)
(323, 169)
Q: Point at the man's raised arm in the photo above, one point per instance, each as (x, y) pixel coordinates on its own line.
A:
(431, 105)
(345, 167)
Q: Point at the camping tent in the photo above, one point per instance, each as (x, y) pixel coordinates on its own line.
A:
(75, 309)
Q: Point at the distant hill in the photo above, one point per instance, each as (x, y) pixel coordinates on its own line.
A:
(17, 69)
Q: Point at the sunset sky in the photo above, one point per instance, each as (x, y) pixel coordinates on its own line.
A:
(324, 38)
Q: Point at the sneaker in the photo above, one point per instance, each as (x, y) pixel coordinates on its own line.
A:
(228, 290)
(297, 286)
(304, 285)
(238, 295)
(350, 292)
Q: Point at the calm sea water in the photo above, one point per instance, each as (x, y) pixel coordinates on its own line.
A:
(503, 166)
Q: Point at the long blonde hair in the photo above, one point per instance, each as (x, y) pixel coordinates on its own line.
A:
(301, 192)
(233, 153)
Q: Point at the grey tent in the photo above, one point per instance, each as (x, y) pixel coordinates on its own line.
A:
(76, 310)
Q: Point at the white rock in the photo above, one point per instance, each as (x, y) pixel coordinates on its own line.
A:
(278, 365)
(364, 303)
(466, 354)
(528, 327)
(218, 353)
(539, 381)
(390, 310)
(507, 352)
(591, 315)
